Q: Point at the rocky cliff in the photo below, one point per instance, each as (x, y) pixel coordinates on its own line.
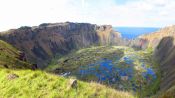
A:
(41, 43)
(154, 38)
(165, 54)
(163, 43)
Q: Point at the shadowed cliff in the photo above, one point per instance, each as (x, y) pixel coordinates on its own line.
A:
(165, 54)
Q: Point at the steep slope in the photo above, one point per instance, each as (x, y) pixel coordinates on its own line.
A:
(165, 53)
(41, 43)
(163, 42)
(11, 58)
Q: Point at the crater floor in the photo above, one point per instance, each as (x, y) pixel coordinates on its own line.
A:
(119, 67)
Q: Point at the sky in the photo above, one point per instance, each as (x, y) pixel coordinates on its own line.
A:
(128, 13)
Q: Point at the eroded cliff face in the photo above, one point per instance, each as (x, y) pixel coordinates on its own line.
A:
(163, 43)
(165, 54)
(153, 39)
(41, 43)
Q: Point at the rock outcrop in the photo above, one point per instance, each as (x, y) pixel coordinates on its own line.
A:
(12, 76)
(41, 43)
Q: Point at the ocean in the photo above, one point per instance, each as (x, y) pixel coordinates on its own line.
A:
(134, 32)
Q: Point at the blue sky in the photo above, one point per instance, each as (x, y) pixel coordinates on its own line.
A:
(135, 13)
(122, 1)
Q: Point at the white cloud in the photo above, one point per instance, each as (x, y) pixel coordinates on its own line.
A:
(145, 13)
(16, 13)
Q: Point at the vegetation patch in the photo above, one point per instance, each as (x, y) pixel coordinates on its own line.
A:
(119, 67)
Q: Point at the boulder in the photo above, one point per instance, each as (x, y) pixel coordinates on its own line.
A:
(73, 83)
(12, 76)
(120, 86)
(22, 56)
(34, 66)
(5, 65)
(124, 78)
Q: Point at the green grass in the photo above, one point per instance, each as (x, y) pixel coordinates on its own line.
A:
(9, 56)
(39, 84)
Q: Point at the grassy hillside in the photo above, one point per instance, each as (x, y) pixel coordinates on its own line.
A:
(11, 57)
(38, 84)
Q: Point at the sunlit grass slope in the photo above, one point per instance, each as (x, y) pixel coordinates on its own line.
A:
(38, 84)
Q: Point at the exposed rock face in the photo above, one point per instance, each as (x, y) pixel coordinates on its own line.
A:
(165, 53)
(41, 43)
(154, 38)
(163, 42)
(137, 43)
